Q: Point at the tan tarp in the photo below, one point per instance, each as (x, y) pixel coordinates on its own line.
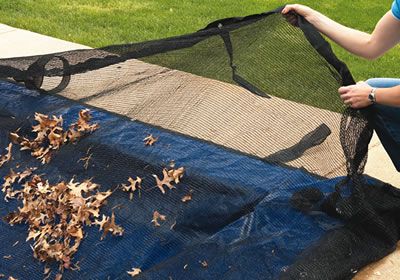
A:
(211, 110)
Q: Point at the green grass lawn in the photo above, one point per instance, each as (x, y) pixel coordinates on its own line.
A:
(98, 23)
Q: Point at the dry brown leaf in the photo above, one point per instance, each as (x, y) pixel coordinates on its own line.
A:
(46, 122)
(134, 272)
(57, 137)
(169, 176)
(78, 188)
(110, 226)
(101, 197)
(33, 234)
(86, 161)
(46, 270)
(12, 178)
(83, 124)
(47, 273)
(58, 277)
(25, 174)
(204, 264)
(187, 197)
(75, 231)
(43, 154)
(176, 174)
(7, 157)
(166, 181)
(101, 222)
(133, 186)
(157, 216)
(81, 127)
(16, 139)
(150, 140)
(12, 278)
(74, 135)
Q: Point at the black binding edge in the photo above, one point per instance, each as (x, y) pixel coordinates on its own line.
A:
(325, 50)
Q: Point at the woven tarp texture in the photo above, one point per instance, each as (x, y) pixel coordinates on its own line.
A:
(249, 107)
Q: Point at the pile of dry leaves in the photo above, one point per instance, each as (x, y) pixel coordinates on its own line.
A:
(50, 135)
(57, 214)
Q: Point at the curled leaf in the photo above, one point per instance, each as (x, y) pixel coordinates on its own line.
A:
(7, 157)
(150, 140)
(110, 227)
(134, 272)
(176, 174)
(204, 263)
(187, 198)
(156, 217)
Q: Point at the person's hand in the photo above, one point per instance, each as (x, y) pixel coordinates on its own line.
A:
(290, 10)
(356, 96)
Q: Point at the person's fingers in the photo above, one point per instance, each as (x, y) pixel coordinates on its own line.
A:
(348, 102)
(345, 97)
(291, 18)
(287, 9)
(344, 90)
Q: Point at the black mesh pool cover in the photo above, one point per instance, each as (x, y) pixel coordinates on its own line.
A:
(248, 106)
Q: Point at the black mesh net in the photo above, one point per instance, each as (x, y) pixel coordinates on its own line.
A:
(248, 106)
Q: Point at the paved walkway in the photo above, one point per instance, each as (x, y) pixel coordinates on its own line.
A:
(16, 42)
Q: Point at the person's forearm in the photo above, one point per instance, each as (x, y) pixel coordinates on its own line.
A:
(385, 36)
(356, 42)
(388, 96)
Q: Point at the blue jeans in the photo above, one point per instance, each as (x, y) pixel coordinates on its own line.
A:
(386, 121)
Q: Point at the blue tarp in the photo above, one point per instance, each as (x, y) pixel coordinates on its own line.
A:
(240, 220)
